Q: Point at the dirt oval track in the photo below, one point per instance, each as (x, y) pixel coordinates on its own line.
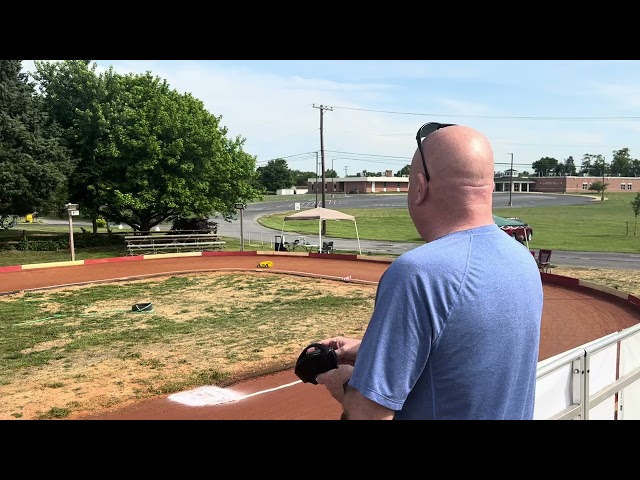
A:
(571, 317)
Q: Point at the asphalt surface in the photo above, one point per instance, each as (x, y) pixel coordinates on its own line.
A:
(255, 233)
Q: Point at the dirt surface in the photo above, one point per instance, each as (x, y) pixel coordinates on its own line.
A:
(570, 319)
(85, 381)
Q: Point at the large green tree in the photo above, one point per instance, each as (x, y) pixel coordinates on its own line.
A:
(167, 156)
(33, 164)
(568, 167)
(545, 166)
(276, 175)
(300, 177)
(404, 171)
(80, 101)
(148, 153)
(622, 163)
(593, 165)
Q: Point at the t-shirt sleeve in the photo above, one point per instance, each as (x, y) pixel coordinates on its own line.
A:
(397, 342)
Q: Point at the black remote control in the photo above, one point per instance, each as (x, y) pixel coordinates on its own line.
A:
(312, 364)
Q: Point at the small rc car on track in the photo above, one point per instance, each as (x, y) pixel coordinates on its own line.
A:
(265, 264)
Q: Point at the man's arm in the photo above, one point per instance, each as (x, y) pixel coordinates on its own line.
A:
(358, 407)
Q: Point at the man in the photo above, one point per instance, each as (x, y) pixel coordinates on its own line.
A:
(456, 326)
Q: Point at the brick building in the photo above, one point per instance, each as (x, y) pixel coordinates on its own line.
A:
(384, 184)
(568, 184)
(555, 184)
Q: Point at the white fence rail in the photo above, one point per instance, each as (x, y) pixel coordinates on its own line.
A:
(598, 381)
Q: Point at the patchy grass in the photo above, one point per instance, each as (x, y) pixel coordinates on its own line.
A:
(78, 350)
(624, 280)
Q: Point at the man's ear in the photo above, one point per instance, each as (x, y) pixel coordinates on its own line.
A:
(421, 191)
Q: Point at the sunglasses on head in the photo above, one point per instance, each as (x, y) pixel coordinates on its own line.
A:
(423, 132)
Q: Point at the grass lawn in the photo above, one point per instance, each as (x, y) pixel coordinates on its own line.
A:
(599, 227)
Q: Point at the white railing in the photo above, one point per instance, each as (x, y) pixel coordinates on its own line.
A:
(598, 381)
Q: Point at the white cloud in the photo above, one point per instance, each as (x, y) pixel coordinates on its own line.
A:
(379, 105)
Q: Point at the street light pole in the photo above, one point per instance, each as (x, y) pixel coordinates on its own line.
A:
(602, 197)
(71, 245)
(72, 210)
(316, 180)
(333, 183)
(241, 206)
(511, 181)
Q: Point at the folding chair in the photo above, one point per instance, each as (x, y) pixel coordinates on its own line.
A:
(544, 260)
(327, 247)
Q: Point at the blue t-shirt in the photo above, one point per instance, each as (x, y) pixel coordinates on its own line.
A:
(455, 331)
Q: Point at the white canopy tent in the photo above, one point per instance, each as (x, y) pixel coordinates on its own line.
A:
(321, 214)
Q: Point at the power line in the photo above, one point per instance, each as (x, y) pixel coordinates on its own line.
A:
(374, 159)
(365, 154)
(504, 117)
(300, 157)
(343, 156)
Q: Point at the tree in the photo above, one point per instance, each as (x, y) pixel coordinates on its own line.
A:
(593, 165)
(148, 153)
(544, 166)
(330, 173)
(79, 100)
(300, 177)
(166, 156)
(276, 175)
(598, 186)
(622, 163)
(34, 165)
(569, 166)
(404, 171)
(635, 204)
(585, 166)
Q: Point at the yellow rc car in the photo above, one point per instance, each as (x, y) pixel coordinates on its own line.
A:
(265, 264)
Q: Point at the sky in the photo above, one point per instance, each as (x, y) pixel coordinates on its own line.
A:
(371, 109)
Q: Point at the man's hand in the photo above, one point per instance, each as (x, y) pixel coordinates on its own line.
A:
(346, 349)
(335, 380)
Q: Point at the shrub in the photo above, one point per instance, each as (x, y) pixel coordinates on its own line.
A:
(42, 245)
(203, 224)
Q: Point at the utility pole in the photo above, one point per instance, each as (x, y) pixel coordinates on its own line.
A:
(333, 182)
(345, 172)
(511, 181)
(322, 109)
(602, 197)
(316, 180)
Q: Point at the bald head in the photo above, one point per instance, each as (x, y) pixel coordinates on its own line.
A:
(459, 154)
(459, 192)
